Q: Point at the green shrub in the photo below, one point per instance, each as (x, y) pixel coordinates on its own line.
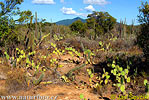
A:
(7, 32)
(7, 24)
(79, 27)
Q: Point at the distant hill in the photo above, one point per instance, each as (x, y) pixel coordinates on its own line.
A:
(69, 21)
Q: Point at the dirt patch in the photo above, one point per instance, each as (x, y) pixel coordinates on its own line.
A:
(2, 87)
(63, 92)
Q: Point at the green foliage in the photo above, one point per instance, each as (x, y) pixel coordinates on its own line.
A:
(24, 59)
(57, 51)
(57, 37)
(88, 54)
(91, 74)
(146, 85)
(22, 56)
(104, 79)
(7, 23)
(145, 82)
(78, 26)
(143, 18)
(105, 46)
(101, 22)
(105, 76)
(8, 5)
(121, 75)
(7, 31)
(72, 50)
(25, 16)
(144, 13)
(7, 56)
(65, 79)
(82, 97)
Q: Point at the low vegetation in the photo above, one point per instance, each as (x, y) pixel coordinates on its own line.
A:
(107, 57)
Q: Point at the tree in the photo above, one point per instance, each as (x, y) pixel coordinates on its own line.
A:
(143, 18)
(78, 26)
(6, 20)
(24, 16)
(8, 5)
(101, 22)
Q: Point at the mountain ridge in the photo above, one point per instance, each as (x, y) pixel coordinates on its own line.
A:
(68, 22)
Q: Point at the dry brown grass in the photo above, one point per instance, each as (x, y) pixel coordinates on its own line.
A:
(16, 80)
(76, 43)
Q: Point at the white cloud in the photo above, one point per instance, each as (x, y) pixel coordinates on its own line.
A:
(70, 11)
(43, 1)
(89, 8)
(96, 2)
(62, 1)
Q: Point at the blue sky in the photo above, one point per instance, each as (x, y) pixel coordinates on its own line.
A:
(55, 10)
